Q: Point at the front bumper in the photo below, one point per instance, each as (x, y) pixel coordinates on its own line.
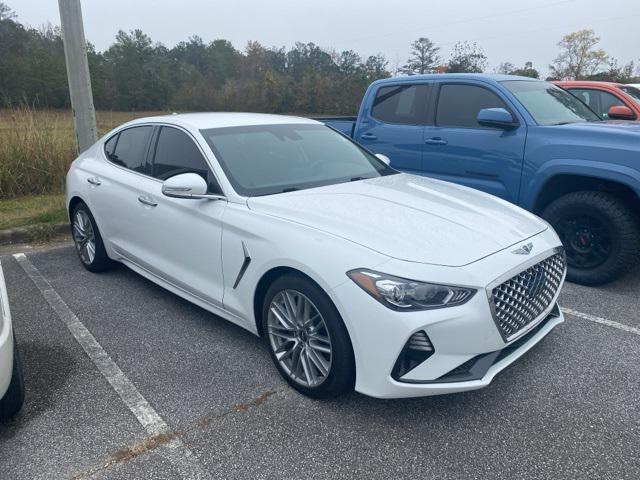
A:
(460, 335)
(6, 339)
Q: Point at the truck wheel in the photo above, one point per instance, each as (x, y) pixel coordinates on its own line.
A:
(13, 399)
(600, 233)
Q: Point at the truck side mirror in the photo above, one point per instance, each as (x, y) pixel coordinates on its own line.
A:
(621, 112)
(496, 118)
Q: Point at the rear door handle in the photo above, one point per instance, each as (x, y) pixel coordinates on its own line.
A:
(368, 136)
(147, 201)
(435, 141)
(94, 181)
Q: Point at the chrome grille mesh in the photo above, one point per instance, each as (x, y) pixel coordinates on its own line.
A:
(521, 299)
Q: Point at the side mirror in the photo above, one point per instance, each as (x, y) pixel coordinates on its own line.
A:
(383, 158)
(621, 112)
(496, 118)
(189, 186)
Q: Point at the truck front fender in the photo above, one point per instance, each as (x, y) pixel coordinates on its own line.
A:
(610, 172)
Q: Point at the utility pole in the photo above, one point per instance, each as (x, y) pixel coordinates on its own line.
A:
(75, 53)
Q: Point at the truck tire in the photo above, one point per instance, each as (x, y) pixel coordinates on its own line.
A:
(13, 399)
(600, 233)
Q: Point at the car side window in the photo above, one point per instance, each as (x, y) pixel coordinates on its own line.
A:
(402, 104)
(129, 148)
(598, 100)
(177, 153)
(459, 105)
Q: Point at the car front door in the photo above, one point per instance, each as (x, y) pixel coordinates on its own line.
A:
(394, 126)
(458, 149)
(183, 236)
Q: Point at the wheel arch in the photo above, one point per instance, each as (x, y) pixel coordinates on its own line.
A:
(73, 202)
(262, 286)
(561, 184)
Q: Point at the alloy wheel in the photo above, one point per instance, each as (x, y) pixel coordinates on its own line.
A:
(299, 338)
(84, 237)
(587, 241)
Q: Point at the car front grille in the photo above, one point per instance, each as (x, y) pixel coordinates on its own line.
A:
(522, 298)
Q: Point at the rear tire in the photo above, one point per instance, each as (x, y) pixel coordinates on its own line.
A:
(88, 241)
(601, 235)
(307, 338)
(13, 399)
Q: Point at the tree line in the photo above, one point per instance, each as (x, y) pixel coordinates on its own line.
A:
(137, 74)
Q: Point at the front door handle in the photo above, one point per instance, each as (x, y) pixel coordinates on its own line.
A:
(147, 201)
(94, 181)
(435, 141)
(368, 136)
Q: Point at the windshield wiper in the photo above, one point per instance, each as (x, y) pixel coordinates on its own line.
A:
(289, 189)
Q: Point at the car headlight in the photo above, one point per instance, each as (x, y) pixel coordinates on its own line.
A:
(402, 294)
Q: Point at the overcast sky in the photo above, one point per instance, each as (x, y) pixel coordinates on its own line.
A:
(507, 30)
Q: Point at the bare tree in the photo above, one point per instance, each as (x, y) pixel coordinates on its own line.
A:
(578, 57)
(424, 57)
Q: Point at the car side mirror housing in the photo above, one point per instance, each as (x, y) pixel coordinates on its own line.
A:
(496, 118)
(621, 112)
(189, 186)
(383, 158)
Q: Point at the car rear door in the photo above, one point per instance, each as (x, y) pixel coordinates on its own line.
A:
(458, 149)
(394, 124)
(115, 187)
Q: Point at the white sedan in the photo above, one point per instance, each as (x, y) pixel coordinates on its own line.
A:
(357, 276)
(11, 384)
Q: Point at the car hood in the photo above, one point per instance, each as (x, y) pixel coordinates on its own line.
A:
(605, 126)
(408, 217)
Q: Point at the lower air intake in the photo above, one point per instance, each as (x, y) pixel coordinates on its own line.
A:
(417, 349)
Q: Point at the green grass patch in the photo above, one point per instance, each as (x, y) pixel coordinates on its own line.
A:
(34, 210)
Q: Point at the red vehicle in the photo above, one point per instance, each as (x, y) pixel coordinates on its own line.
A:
(608, 99)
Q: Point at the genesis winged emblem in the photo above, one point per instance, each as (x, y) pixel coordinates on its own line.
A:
(524, 249)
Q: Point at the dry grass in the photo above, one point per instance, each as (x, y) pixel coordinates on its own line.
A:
(37, 146)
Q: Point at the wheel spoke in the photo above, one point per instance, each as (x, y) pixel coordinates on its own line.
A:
(299, 338)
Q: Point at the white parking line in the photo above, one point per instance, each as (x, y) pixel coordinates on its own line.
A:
(175, 451)
(603, 321)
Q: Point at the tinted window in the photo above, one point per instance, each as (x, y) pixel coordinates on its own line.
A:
(549, 104)
(403, 104)
(599, 101)
(458, 105)
(177, 153)
(130, 148)
(110, 147)
(632, 92)
(268, 159)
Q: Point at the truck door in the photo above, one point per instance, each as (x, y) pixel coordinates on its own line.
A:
(394, 124)
(458, 149)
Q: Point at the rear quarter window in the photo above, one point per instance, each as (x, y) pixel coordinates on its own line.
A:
(129, 148)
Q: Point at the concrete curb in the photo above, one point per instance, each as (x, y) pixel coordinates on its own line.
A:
(31, 233)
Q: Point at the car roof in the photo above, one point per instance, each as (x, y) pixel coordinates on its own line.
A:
(205, 120)
(588, 83)
(486, 77)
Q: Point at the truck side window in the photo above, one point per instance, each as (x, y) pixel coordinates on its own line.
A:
(599, 101)
(459, 104)
(403, 104)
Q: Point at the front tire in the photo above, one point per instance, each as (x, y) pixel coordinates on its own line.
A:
(87, 239)
(600, 233)
(307, 338)
(13, 399)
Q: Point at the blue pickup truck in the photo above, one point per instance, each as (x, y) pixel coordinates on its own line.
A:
(526, 141)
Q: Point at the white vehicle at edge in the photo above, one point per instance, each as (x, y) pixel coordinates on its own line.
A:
(356, 275)
(11, 383)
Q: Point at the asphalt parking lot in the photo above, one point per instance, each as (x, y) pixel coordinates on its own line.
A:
(215, 407)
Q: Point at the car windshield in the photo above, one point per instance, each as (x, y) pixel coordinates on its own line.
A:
(549, 104)
(268, 159)
(633, 92)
